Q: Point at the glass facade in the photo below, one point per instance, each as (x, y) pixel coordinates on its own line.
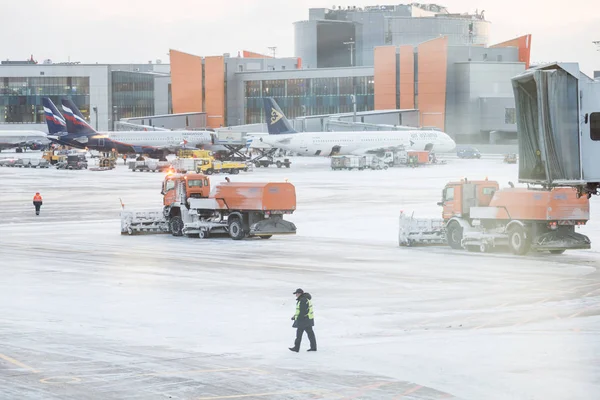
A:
(21, 98)
(311, 96)
(132, 94)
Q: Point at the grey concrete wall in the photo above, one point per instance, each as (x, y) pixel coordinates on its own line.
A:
(370, 33)
(478, 80)
(410, 30)
(305, 43)
(492, 114)
(455, 83)
(161, 94)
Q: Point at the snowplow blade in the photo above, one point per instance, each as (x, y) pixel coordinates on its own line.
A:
(561, 241)
(424, 231)
(275, 225)
(143, 222)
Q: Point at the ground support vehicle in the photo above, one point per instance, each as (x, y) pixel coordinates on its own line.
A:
(510, 158)
(357, 162)
(53, 157)
(479, 216)
(238, 209)
(185, 153)
(266, 158)
(149, 166)
(31, 163)
(183, 165)
(468, 152)
(210, 166)
(410, 158)
(107, 160)
(349, 162)
(375, 163)
(8, 162)
(73, 162)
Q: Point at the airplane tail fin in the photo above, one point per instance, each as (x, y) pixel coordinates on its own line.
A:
(277, 123)
(76, 123)
(57, 125)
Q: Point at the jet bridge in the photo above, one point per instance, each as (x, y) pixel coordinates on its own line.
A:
(558, 123)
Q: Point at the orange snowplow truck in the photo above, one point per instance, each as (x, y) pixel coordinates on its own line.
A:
(239, 209)
(478, 215)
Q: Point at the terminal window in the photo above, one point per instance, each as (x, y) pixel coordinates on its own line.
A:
(510, 116)
(595, 126)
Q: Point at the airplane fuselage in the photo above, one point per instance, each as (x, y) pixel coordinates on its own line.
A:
(356, 142)
(11, 139)
(141, 141)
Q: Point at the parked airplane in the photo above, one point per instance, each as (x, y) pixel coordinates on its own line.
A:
(57, 126)
(154, 143)
(33, 140)
(282, 135)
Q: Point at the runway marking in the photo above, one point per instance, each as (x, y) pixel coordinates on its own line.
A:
(240, 396)
(202, 371)
(363, 389)
(575, 314)
(542, 301)
(590, 293)
(523, 322)
(61, 379)
(584, 286)
(409, 391)
(18, 363)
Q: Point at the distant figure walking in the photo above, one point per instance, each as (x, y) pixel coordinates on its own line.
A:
(37, 202)
(304, 320)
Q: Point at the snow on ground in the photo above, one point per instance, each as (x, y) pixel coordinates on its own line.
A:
(88, 313)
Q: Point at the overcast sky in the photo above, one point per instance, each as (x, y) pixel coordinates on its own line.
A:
(136, 31)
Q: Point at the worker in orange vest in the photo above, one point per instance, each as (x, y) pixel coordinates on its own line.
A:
(37, 202)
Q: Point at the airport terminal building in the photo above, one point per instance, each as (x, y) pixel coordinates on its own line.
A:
(402, 57)
(104, 93)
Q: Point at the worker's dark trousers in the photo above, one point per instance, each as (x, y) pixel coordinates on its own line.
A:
(38, 206)
(311, 337)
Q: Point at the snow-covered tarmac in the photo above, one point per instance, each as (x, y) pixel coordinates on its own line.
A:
(86, 313)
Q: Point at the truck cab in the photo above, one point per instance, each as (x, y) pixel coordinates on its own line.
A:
(459, 197)
(180, 187)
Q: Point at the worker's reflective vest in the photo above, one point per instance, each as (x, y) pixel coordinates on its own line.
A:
(310, 315)
(37, 197)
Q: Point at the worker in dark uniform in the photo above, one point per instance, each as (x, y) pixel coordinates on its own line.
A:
(304, 320)
(37, 202)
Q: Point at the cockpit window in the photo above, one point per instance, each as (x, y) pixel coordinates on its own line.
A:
(169, 185)
(449, 194)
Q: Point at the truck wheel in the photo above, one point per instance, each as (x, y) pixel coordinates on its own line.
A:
(236, 230)
(257, 164)
(235, 171)
(557, 251)
(176, 226)
(454, 235)
(518, 241)
(203, 234)
(279, 164)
